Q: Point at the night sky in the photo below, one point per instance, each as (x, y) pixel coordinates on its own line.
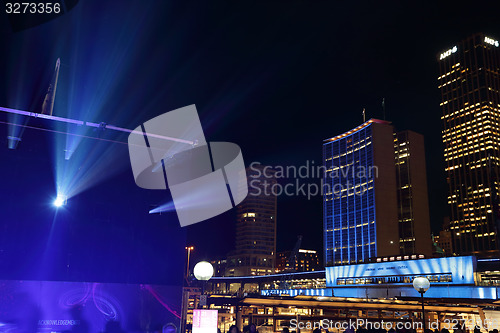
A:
(274, 77)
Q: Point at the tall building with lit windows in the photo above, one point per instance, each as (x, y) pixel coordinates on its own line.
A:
(255, 246)
(469, 82)
(413, 200)
(360, 215)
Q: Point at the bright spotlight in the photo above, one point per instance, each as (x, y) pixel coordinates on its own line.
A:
(60, 201)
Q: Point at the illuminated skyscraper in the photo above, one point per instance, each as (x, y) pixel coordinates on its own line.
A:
(469, 81)
(255, 251)
(375, 201)
(360, 213)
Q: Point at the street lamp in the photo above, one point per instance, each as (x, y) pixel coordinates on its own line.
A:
(188, 249)
(421, 284)
(203, 271)
(185, 292)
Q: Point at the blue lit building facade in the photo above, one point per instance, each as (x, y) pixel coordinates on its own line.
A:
(359, 202)
(461, 277)
(450, 277)
(439, 271)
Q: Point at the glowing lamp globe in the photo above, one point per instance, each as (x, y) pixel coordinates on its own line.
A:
(203, 271)
(421, 284)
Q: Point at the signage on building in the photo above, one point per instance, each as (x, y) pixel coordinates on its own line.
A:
(491, 41)
(448, 53)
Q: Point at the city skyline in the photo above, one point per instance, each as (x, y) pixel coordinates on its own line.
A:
(269, 93)
(102, 228)
(437, 220)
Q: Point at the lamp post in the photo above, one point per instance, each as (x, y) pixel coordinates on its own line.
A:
(188, 249)
(421, 284)
(203, 271)
(185, 291)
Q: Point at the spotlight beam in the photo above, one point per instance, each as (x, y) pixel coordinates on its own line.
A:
(90, 124)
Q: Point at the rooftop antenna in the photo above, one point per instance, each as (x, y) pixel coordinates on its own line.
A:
(383, 107)
(364, 115)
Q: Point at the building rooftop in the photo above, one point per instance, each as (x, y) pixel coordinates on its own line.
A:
(378, 121)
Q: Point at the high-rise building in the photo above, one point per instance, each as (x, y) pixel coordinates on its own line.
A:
(305, 261)
(360, 214)
(255, 250)
(413, 202)
(469, 81)
(375, 201)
